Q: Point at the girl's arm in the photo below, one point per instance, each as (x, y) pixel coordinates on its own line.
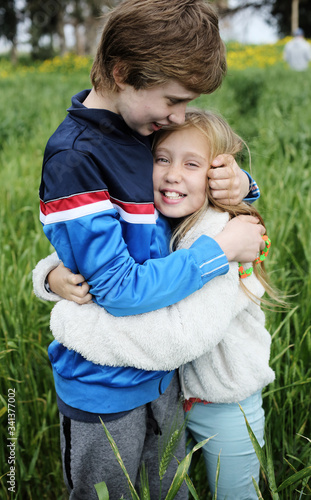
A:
(162, 339)
(68, 285)
(40, 278)
(158, 340)
(53, 281)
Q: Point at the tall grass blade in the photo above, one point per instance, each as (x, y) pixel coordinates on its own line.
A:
(217, 477)
(168, 453)
(121, 463)
(265, 461)
(270, 470)
(259, 451)
(102, 491)
(144, 484)
(294, 478)
(172, 433)
(258, 492)
(191, 487)
(182, 471)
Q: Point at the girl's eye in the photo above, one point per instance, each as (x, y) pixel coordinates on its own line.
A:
(160, 159)
(190, 164)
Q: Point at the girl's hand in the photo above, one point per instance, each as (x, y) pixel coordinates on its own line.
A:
(228, 183)
(69, 286)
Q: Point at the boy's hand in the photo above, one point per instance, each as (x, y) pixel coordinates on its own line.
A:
(69, 286)
(228, 183)
(241, 240)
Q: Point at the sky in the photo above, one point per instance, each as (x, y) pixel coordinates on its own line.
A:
(248, 26)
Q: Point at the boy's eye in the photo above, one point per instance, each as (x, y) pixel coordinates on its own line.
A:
(173, 101)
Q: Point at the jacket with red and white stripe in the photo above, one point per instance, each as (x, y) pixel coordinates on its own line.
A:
(96, 200)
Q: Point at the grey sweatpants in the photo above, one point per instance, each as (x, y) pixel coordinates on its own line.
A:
(88, 458)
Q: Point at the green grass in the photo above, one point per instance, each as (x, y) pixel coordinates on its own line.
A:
(271, 109)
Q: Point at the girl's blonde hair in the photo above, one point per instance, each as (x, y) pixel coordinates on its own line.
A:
(221, 140)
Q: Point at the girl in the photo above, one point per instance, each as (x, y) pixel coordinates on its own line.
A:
(217, 334)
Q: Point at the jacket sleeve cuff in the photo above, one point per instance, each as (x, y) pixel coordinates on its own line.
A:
(210, 258)
(39, 276)
(254, 192)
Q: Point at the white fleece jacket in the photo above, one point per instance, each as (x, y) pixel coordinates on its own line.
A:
(217, 333)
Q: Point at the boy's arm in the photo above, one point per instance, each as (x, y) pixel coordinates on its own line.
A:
(253, 193)
(93, 245)
(86, 231)
(87, 235)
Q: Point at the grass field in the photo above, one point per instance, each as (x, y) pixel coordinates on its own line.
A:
(271, 109)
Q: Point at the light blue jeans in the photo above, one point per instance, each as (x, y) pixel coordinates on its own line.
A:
(238, 460)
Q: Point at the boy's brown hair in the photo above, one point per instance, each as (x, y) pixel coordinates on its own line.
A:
(152, 41)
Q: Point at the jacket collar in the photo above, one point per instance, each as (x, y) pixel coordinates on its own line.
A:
(106, 121)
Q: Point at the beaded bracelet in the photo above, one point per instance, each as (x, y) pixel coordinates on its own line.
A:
(264, 253)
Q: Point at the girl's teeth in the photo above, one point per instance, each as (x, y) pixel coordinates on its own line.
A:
(173, 195)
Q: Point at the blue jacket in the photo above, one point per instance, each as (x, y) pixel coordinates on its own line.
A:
(96, 201)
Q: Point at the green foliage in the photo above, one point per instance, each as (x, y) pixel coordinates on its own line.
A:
(171, 436)
(180, 476)
(248, 88)
(266, 462)
(278, 133)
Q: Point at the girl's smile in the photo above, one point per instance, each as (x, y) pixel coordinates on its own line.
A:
(172, 196)
(181, 163)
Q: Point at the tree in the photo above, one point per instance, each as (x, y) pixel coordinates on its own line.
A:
(282, 11)
(224, 9)
(287, 15)
(46, 22)
(49, 18)
(84, 16)
(295, 15)
(8, 25)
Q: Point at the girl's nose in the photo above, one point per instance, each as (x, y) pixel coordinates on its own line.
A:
(173, 173)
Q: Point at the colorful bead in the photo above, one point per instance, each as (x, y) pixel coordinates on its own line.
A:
(264, 253)
(244, 272)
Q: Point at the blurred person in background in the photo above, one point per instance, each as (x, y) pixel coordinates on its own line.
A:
(297, 52)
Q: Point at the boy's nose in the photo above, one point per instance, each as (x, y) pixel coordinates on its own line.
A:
(178, 115)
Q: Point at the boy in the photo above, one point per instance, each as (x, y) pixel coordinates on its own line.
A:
(97, 209)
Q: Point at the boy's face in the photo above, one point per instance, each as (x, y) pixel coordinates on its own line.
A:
(181, 163)
(148, 110)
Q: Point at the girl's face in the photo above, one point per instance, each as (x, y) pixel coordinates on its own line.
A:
(180, 166)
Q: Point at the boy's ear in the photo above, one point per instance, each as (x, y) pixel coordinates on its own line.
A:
(118, 75)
